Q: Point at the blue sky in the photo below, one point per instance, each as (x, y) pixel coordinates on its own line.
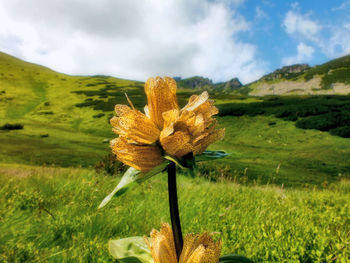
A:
(276, 43)
(135, 39)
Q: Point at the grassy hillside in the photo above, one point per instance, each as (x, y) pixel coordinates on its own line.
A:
(65, 118)
(44, 102)
(50, 215)
(65, 121)
(332, 77)
(281, 196)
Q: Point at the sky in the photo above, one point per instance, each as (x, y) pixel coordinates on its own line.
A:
(137, 39)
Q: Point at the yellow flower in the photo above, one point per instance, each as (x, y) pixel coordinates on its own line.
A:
(164, 128)
(196, 249)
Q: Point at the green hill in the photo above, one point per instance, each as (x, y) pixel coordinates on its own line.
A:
(65, 118)
(332, 77)
(65, 122)
(280, 196)
(45, 103)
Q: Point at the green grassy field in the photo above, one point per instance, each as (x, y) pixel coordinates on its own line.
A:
(281, 196)
(50, 215)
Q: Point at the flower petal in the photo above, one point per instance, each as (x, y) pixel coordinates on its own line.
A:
(146, 110)
(207, 109)
(177, 144)
(195, 101)
(161, 97)
(200, 248)
(134, 125)
(163, 246)
(141, 157)
(202, 142)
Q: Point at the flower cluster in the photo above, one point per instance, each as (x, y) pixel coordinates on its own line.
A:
(164, 129)
(197, 248)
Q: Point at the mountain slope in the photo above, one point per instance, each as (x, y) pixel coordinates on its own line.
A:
(332, 77)
(65, 122)
(56, 130)
(65, 118)
(200, 83)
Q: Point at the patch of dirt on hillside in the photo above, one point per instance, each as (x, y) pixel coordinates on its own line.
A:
(311, 87)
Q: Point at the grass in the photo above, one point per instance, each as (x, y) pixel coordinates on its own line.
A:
(279, 154)
(77, 134)
(281, 196)
(50, 214)
(325, 113)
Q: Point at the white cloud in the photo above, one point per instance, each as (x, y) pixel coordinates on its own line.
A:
(234, 3)
(298, 24)
(304, 55)
(260, 13)
(339, 42)
(333, 40)
(344, 5)
(130, 39)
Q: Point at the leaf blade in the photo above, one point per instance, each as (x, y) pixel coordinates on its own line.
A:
(130, 250)
(130, 179)
(211, 155)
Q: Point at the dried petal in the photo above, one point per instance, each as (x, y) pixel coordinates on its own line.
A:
(207, 109)
(146, 110)
(141, 157)
(163, 246)
(201, 144)
(161, 97)
(195, 101)
(177, 144)
(200, 248)
(134, 125)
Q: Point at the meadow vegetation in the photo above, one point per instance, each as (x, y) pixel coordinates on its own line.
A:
(50, 215)
(281, 196)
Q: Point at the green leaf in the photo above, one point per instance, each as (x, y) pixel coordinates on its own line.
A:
(233, 258)
(175, 160)
(130, 250)
(186, 162)
(130, 179)
(211, 155)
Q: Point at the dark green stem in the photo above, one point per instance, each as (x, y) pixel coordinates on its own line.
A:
(174, 209)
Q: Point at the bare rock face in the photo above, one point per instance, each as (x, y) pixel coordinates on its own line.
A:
(233, 84)
(286, 71)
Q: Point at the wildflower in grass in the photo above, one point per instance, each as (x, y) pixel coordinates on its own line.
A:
(196, 249)
(164, 129)
(151, 142)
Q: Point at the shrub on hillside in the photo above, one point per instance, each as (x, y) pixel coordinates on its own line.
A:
(98, 115)
(9, 126)
(325, 122)
(341, 131)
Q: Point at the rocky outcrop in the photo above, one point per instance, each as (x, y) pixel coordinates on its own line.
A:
(195, 83)
(229, 86)
(233, 84)
(287, 72)
(201, 83)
